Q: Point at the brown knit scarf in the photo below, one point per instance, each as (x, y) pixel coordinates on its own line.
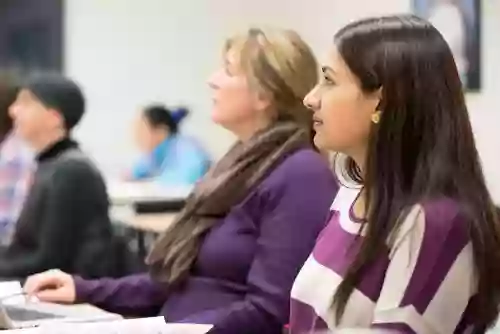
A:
(224, 186)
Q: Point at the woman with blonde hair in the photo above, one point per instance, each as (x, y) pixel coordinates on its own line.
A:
(235, 249)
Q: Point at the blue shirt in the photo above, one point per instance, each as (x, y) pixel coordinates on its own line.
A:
(177, 160)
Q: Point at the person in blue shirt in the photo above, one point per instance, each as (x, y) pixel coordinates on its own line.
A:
(168, 157)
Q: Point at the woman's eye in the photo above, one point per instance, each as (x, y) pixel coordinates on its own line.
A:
(328, 81)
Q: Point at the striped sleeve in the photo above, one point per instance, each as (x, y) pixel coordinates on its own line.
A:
(430, 278)
(15, 178)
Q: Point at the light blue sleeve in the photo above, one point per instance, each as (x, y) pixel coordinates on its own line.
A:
(142, 169)
(190, 165)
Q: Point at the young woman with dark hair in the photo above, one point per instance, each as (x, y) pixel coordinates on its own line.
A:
(167, 156)
(413, 244)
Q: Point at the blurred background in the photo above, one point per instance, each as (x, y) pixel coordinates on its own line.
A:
(125, 53)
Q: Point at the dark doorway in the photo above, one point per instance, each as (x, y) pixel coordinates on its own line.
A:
(31, 34)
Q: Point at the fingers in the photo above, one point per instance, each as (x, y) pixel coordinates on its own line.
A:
(32, 284)
(53, 295)
(47, 280)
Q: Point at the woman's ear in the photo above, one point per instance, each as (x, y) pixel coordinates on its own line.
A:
(377, 108)
(262, 101)
(378, 95)
(376, 99)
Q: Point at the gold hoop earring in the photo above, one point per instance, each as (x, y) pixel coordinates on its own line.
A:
(376, 117)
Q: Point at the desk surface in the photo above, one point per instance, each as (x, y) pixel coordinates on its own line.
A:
(76, 313)
(151, 222)
(126, 193)
(127, 326)
(155, 222)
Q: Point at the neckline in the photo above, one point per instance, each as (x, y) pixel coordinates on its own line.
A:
(163, 145)
(352, 214)
(56, 148)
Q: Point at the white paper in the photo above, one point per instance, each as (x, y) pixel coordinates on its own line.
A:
(131, 326)
(22, 331)
(11, 288)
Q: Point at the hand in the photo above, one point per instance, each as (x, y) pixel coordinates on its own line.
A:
(52, 286)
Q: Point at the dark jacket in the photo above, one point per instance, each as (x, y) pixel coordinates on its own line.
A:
(64, 223)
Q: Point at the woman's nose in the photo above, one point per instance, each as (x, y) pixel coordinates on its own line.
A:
(312, 101)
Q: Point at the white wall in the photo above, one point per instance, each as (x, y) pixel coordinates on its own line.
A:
(127, 52)
(485, 107)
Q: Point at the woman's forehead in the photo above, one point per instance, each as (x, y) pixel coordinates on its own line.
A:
(335, 65)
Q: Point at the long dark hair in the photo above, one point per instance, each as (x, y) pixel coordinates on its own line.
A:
(9, 87)
(159, 116)
(422, 148)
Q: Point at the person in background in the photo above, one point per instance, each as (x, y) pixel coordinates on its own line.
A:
(168, 156)
(231, 257)
(16, 163)
(64, 222)
(413, 243)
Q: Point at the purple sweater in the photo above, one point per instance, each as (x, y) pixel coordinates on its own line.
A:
(242, 279)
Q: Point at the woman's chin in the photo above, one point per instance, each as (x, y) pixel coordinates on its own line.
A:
(216, 117)
(219, 121)
(318, 141)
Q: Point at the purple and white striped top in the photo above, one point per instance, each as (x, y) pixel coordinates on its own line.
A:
(423, 283)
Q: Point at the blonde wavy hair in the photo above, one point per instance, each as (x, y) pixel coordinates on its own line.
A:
(280, 65)
(277, 63)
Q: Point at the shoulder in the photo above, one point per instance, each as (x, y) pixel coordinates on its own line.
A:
(188, 145)
(182, 142)
(440, 222)
(296, 194)
(446, 217)
(303, 164)
(443, 209)
(75, 165)
(74, 175)
(303, 173)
